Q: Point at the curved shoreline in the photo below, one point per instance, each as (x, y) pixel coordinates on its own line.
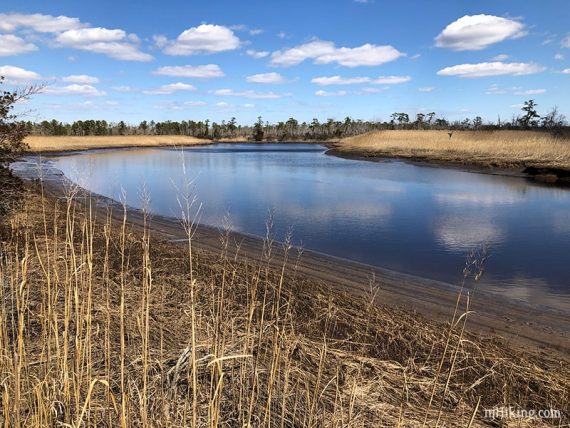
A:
(523, 324)
(542, 176)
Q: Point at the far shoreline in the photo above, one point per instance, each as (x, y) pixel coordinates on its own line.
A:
(59, 145)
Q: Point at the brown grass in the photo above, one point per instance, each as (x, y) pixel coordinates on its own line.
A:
(59, 144)
(507, 149)
(105, 325)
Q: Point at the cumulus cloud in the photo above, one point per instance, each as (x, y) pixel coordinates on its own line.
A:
(205, 38)
(123, 88)
(247, 94)
(256, 54)
(270, 78)
(565, 43)
(514, 90)
(10, 22)
(75, 89)
(476, 32)
(324, 52)
(391, 80)
(558, 57)
(566, 71)
(114, 43)
(531, 92)
(170, 89)
(331, 94)
(199, 71)
(485, 69)
(18, 75)
(501, 57)
(338, 80)
(14, 45)
(81, 78)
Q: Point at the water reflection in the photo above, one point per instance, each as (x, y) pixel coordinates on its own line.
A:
(420, 220)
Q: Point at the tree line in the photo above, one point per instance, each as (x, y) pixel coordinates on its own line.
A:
(292, 129)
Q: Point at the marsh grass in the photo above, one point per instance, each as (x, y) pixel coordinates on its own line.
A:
(104, 324)
(484, 148)
(40, 143)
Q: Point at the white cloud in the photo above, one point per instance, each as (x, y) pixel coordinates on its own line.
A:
(247, 94)
(476, 32)
(80, 78)
(485, 69)
(160, 40)
(256, 54)
(17, 74)
(90, 35)
(558, 57)
(368, 91)
(391, 80)
(363, 1)
(14, 45)
(566, 71)
(115, 43)
(338, 80)
(10, 22)
(531, 92)
(195, 103)
(123, 88)
(331, 94)
(426, 89)
(323, 52)
(75, 89)
(205, 38)
(255, 32)
(199, 71)
(176, 105)
(515, 90)
(170, 88)
(565, 43)
(501, 57)
(270, 78)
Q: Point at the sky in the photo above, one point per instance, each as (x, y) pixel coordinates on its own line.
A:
(196, 60)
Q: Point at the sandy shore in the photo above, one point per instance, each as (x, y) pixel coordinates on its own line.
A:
(543, 329)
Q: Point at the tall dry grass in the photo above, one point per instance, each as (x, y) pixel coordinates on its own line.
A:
(39, 143)
(102, 324)
(484, 148)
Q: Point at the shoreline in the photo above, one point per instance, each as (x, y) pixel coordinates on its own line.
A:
(557, 177)
(524, 325)
(551, 177)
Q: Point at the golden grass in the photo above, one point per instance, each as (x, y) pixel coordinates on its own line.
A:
(39, 143)
(105, 325)
(484, 148)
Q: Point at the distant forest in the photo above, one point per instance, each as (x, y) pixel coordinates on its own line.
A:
(292, 129)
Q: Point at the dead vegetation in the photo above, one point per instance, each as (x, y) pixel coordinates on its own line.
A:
(105, 325)
(39, 143)
(503, 149)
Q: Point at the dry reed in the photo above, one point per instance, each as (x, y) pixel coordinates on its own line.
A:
(507, 149)
(102, 324)
(38, 143)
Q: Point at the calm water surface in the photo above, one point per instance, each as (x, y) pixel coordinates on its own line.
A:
(414, 219)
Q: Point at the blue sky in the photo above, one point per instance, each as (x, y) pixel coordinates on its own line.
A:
(119, 60)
